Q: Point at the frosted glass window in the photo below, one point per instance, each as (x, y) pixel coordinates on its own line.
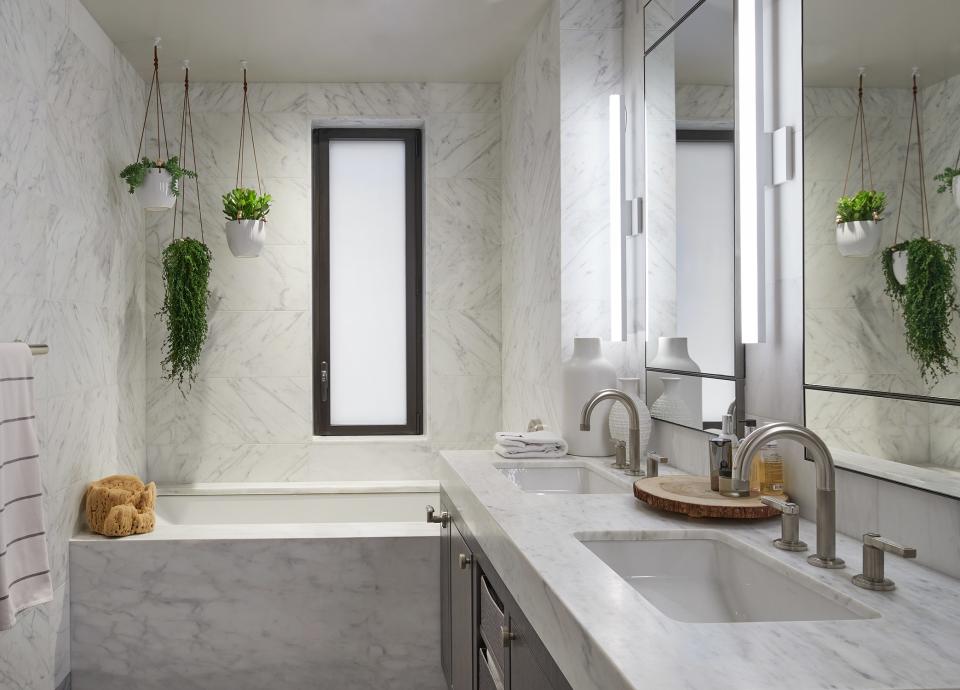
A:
(368, 286)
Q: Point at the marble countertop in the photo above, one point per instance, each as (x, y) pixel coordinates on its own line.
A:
(605, 636)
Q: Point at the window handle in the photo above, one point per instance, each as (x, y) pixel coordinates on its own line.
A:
(324, 381)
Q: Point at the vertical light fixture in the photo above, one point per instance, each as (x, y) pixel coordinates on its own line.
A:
(749, 146)
(616, 218)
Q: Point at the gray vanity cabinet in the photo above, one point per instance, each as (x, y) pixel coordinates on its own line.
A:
(487, 643)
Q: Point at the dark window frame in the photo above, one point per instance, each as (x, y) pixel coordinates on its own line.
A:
(412, 139)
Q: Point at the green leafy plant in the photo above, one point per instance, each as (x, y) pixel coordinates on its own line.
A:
(946, 179)
(927, 302)
(245, 204)
(867, 204)
(186, 272)
(135, 173)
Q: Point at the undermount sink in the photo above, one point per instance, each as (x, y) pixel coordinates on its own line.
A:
(697, 577)
(554, 479)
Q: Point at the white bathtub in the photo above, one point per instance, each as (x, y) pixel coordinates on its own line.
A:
(295, 503)
(247, 586)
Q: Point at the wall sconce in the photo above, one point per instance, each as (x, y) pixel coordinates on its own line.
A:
(750, 171)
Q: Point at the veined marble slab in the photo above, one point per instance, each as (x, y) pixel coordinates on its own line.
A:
(605, 636)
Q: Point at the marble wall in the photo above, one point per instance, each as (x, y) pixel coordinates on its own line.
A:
(249, 414)
(245, 614)
(531, 230)
(71, 275)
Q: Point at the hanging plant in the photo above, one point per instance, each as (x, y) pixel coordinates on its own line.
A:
(246, 214)
(927, 301)
(156, 182)
(858, 216)
(246, 209)
(186, 275)
(919, 278)
(135, 174)
(186, 272)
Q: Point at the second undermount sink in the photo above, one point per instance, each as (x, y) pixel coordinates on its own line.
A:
(560, 479)
(698, 577)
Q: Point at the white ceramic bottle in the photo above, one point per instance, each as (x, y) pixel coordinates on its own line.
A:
(620, 418)
(585, 373)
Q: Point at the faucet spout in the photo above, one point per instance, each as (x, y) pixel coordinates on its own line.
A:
(633, 425)
(826, 555)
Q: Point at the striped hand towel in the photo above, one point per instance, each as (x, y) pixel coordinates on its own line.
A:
(24, 567)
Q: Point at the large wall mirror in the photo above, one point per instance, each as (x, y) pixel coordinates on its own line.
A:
(885, 408)
(692, 356)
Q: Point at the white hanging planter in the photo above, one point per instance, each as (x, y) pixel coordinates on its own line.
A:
(154, 194)
(956, 191)
(859, 237)
(900, 266)
(246, 237)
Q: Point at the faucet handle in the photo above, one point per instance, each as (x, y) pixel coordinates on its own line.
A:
(785, 507)
(653, 462)
(789, 524)
(874, 540)
(620, 454)
(874, 546)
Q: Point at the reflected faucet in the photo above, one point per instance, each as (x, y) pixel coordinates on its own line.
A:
(826, 555)
(633, 425)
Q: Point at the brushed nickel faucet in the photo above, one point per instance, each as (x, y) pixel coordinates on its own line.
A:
(633, 425)
(826, 555)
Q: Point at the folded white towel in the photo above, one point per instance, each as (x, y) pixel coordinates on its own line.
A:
(530, 444)
(24, 567)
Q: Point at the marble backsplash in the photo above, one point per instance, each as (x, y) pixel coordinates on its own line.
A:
(71, 275)
(249, 414)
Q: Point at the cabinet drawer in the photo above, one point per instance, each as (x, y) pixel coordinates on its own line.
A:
(490, 677)
(492, 620)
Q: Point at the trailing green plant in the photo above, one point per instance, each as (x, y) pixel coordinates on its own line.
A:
(186, 272)
(867, 204)
(927, 301)
(946, 179)
(245, 204)
(135, 173)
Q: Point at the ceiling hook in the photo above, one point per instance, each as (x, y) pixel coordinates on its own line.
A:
(156, 41)
(861, 70)
(186, 64)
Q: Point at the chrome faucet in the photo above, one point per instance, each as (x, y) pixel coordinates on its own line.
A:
(826, 555)
(633, 425)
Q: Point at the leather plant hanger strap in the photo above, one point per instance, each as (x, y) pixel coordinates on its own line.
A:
(924, 210)
(154, 94)
(186, 126)
(860, 125)
(246, 122)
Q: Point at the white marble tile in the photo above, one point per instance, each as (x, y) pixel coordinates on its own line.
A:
(463, 98)
(464, 145)
(225, 411)
(591, 14)
(228, 462)
(245, 614)
(464, 343)
(333, 461)
(393, 100)
(464, 409)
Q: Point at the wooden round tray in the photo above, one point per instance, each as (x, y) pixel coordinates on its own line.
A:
(692, 496)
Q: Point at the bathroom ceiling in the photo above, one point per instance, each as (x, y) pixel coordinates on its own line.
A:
(323, 40)
(888, 37)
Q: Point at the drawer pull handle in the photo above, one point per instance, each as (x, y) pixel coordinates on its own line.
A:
(506, 637)
(465, 561)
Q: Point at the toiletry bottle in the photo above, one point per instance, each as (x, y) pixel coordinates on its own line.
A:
(756, 467)
(772, 481)
(717, 467)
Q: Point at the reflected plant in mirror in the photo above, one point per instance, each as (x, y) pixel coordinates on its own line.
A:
(881, 372)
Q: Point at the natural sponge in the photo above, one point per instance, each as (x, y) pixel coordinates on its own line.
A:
(120, 505)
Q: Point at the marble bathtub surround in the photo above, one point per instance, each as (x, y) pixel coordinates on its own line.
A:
(590, 619)
(71, 275)
(208, 610)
